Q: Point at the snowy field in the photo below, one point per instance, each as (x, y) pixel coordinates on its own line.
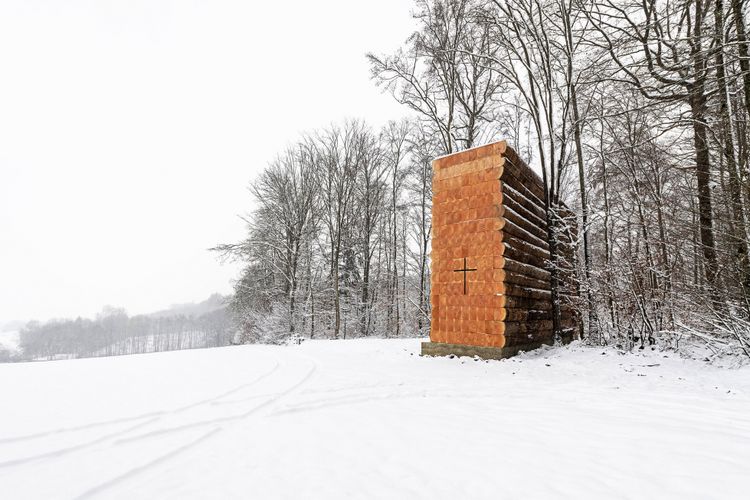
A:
(372, 419)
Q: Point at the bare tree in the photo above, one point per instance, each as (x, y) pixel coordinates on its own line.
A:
(442, 74)
(340, 154)
(663, 50)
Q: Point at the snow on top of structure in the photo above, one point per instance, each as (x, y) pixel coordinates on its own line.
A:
(470, 149)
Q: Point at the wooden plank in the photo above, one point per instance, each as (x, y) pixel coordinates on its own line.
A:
(531, 331)
(511, 206)
(512, 266)
(509, 227)
(521, 186)
(519, 168)
(490, 165)
(527, 315)
(522, 221)
(523, 280)
(492, 149)
(524, 303)
(527, 292)
(519, 255)
(524, 252)
(538, 210)
(513, 328)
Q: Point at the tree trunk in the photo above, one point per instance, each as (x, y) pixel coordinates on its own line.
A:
(336, 293)
(584, 210)
(703, 177)
(738, 214)
(742, 50)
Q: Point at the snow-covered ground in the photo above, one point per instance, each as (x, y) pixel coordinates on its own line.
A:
(372, 419)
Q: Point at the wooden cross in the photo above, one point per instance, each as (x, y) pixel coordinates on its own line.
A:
(464, 270)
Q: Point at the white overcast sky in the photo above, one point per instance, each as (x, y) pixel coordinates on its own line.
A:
(130, 129)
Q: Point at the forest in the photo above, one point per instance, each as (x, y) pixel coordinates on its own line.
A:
(635, 113)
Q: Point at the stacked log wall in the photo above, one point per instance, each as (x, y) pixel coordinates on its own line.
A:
(488, 207)
(527, 254)
(528, 264)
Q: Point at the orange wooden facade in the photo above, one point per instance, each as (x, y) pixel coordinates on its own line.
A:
(467, 222)
(488, 208)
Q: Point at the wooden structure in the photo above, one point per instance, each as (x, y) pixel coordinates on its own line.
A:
(491, 292)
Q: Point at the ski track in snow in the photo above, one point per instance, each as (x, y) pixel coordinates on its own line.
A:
(370, 419)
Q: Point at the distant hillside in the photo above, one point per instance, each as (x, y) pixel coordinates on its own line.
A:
(114, 332)
(191, 309)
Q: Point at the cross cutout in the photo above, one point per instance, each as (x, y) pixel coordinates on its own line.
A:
(464, 270)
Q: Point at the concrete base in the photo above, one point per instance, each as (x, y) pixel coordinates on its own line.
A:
(441, 349)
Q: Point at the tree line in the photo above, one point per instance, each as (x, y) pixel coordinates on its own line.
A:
(337, 245)
(113, 332)
(634, 112)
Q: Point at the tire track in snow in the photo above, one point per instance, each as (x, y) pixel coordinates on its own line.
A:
(153, 417)
(64, 451)
(157, 414)
(147, 465)
(224, 420)
(322, 404)
(160, 460)
(364, 397)
(312, 392)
